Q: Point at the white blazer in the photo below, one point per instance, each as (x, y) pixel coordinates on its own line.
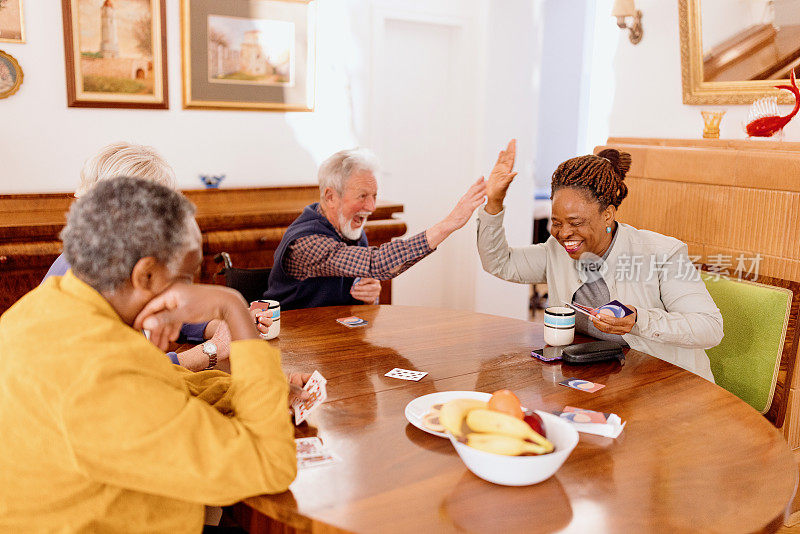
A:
(676, 317)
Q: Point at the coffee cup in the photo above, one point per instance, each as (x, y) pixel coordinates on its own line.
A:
(559, 325)
(273, 307)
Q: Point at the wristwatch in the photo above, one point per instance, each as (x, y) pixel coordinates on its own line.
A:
(210, 350)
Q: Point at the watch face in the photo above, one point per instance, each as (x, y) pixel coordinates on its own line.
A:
(209, 347)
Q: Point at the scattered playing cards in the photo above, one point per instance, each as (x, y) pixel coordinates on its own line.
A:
(352, 321)
(582, 385)
(405, 374)
(602, 424)
(312, 453)
(317, 395)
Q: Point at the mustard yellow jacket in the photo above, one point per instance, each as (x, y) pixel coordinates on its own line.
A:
(99, 432)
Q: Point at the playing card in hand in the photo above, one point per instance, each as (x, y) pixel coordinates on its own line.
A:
(317, 395)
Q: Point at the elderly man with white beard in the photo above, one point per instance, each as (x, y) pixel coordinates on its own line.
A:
(324, 258)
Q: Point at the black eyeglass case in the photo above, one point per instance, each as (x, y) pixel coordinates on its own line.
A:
(592, 352)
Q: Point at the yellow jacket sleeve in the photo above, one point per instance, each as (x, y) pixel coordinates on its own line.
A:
(136, 423)
(214, 387)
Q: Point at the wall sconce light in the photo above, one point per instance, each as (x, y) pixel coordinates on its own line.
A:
(624, 9)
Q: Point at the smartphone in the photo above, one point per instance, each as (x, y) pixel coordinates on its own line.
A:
(548, 353)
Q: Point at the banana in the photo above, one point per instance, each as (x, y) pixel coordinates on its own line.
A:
(489, 421)
(452, 414)
(502, 444)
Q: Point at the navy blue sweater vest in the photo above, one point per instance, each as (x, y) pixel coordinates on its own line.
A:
(316, 291)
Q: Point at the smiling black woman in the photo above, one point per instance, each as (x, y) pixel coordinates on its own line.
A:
(591, 259)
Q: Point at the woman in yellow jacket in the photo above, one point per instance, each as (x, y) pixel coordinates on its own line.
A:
(101, 433)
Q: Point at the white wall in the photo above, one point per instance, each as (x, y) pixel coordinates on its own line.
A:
(648, 97)
(48, 142)
(514, 55)
(562, 105)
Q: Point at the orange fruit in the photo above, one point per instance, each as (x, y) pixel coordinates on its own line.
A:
(506, 402)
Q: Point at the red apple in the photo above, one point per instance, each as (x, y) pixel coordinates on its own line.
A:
(535, 422)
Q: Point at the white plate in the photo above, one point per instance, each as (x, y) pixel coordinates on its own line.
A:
(418, 407)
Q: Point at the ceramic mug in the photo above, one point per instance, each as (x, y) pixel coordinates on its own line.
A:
(559, 325)
(274, 307)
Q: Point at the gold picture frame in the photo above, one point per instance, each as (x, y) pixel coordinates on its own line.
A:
(124, 65)
(12, 22)
(10, 75)
(250, 55)
(698, 91)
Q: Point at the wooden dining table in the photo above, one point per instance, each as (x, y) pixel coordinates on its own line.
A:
(692, 456)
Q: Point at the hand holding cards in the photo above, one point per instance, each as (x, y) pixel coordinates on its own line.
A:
(317, 394)
(271, 309)
(614, 308)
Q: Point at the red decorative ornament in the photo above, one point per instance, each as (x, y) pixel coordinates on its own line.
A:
(763, 119)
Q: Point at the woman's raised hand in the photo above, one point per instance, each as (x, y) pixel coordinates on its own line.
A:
(500, 178)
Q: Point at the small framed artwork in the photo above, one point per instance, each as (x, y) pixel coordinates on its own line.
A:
(12, 29)
(116, 53)
(10, 75)
(249, 54)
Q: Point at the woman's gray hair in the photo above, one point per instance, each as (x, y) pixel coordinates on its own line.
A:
(125, 159)
(120, 221)
(337, 169)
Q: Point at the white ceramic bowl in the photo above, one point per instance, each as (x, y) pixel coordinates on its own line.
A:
(522, 470)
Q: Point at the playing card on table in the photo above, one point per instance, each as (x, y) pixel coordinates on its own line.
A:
(318, 460)
(352, 321)
(318, 393)
(309, 446)
(405, 374)
(591, 422)
(582, 385)
(312, 453)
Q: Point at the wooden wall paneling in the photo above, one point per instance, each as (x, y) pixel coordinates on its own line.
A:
(713, 197)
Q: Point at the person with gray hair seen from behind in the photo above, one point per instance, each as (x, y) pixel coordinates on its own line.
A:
(123, 440)
(324, 259)
(118, 159)
(128, 159)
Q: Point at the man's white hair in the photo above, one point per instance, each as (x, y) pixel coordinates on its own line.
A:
(337, 169)
(125, 159)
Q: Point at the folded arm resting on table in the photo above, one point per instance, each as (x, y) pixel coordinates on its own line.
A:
(137, 428)
(318, 255)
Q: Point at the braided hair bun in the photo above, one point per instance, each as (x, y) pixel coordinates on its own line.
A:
(602, 176)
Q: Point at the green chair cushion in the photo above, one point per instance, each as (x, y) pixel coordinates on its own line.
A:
(755, 317)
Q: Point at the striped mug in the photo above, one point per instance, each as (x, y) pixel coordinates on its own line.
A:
(559, 325)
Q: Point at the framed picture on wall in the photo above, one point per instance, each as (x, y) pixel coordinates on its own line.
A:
(10, 75)
(248, 54)
(12, 29)
(116, 53)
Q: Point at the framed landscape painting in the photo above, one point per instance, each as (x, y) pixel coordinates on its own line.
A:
(116, 53)
(249, 54)
(12, 29)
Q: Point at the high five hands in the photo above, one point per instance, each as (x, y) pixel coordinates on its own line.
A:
(500, 178)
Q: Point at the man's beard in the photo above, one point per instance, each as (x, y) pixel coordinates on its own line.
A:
(346, 228)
